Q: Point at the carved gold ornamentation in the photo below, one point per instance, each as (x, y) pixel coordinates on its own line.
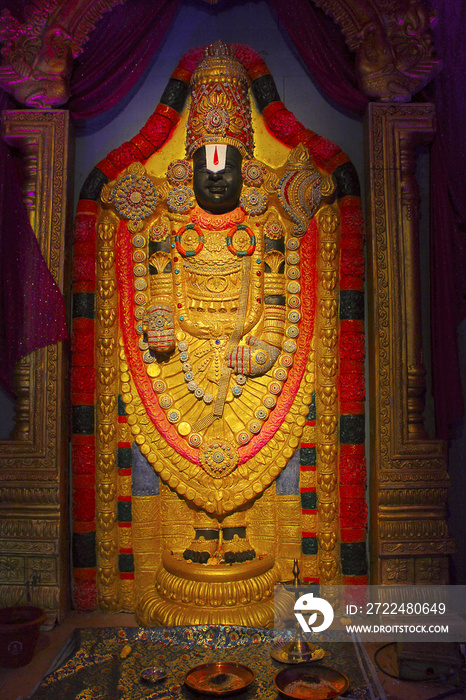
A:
(212, 595)
(28, 529)
(398, 571)
(39, 53)
(300, 189)
(422, 530)
(220, 108)
(393, 42)
(46, 597)
(409, 481)
(106, 331)
(216, 493)
(134, 196)
(33, 511)
(22, 384)
(327, 329)
(431, 571)
(196, 294)
(222, 494)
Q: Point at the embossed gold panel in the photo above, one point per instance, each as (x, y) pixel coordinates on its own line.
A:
(409, 480)
(34, 462)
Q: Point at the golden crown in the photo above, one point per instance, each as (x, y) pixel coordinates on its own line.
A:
(220, 110)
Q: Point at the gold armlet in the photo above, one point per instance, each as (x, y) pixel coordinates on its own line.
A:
(274, 324)
(161, 287)
(274, 284)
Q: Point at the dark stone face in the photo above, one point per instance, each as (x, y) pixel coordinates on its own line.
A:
(218, 193)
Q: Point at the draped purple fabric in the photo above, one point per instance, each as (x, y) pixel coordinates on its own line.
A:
(321, 46)
(32, 310)
(448, 213)
(117, 53)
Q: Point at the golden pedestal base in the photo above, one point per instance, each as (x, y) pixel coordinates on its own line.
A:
(194, 594)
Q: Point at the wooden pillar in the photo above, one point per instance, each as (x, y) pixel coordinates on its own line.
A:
(408, 472)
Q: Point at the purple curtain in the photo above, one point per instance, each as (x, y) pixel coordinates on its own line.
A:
(117, 53)
(321, 46)
(32, 311)
(448, 213)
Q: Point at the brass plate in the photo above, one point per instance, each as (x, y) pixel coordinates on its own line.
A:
(310, 682)
(219, 678)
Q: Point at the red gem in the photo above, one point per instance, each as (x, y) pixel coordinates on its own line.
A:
(175, 259)
(257, 224)
(258, 301)
(179, 305)
(258, 274)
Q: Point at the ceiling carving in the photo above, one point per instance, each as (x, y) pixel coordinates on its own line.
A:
(392, 40)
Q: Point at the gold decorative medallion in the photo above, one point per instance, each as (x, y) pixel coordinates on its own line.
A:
(219, 458)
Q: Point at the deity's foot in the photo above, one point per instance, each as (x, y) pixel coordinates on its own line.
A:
(204, 545)
(226, 546)
(236, 546)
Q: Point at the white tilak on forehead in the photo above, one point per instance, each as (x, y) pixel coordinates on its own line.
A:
(216, 156)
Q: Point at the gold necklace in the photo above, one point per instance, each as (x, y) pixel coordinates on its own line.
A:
(216, 222)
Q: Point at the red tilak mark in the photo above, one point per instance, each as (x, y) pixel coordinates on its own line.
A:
(215, 156)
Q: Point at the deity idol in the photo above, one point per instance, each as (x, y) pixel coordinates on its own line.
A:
(218, 286)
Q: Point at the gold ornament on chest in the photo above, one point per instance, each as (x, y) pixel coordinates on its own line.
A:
(216, 285)
(207, 268)
(215, 241)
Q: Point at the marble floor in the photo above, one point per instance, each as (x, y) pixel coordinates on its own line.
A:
(19, 683)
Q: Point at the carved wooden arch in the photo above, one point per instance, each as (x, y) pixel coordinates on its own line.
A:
(393, 43)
